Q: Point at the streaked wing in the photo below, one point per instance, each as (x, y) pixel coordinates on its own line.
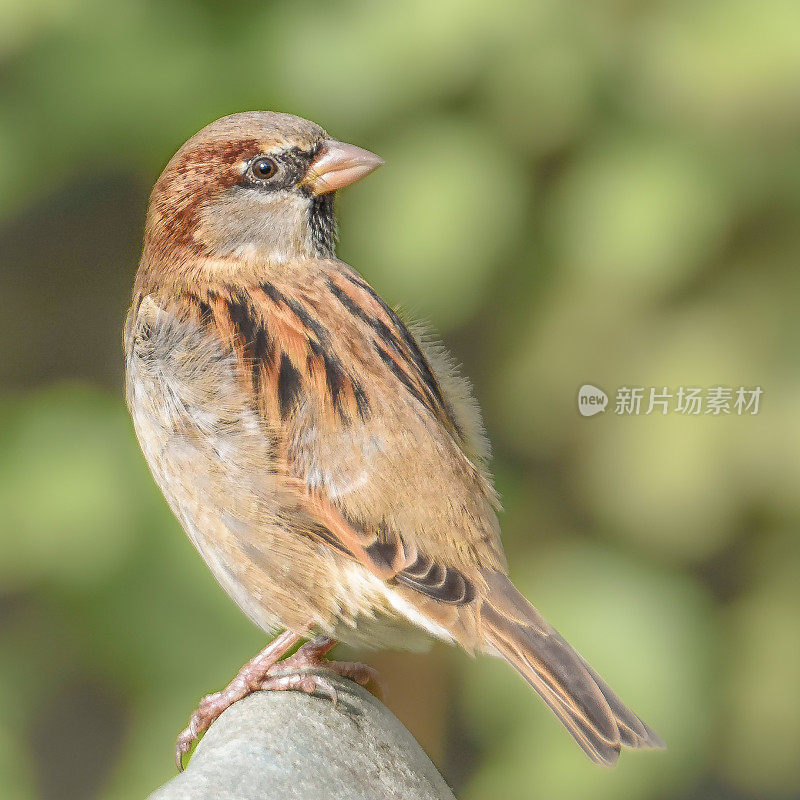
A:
(365, 433)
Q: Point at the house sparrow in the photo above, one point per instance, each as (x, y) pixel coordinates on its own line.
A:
(328, 464)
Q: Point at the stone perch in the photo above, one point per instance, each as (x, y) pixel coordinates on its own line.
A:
(292, 746)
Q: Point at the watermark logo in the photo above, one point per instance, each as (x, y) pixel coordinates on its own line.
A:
(591, 400)
(634, 401)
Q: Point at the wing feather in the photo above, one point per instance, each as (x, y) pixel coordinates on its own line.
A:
(311, 379)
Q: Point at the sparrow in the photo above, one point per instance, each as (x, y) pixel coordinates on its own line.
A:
(326, 460)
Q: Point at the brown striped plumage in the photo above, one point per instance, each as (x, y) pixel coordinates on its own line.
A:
(328, 464)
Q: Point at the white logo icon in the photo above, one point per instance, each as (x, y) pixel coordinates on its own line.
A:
(591, 400)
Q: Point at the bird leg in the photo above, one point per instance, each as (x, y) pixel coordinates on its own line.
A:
(247, 680)
(267, 672)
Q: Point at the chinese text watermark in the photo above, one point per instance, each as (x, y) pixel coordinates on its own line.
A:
(686, 400)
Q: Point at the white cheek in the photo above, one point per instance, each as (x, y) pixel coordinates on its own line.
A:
(253, 225)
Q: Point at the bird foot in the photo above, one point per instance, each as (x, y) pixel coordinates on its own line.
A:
(312, 656)
(267, 672)
(362, 674)
(248, 679)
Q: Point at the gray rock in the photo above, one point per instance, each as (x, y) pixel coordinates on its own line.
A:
(292, 746)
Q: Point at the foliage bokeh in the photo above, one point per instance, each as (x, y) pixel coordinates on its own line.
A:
(599, 192)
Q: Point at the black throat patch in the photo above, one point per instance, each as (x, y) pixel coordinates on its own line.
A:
(322, 222)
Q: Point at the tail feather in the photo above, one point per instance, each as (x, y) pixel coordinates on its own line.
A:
(597, 719)
(634, 732)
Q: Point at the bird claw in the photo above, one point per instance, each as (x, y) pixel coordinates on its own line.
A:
(325, 687)
(183, 746)
(265, 673)
(209, 708)
(362, 674)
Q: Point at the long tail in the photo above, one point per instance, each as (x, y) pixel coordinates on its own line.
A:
(598, 720)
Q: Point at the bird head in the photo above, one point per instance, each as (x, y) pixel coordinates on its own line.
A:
(256, 185)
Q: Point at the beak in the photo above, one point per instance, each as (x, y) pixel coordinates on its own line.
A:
(338, 165)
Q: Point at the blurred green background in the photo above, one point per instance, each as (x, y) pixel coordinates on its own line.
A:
(602, 192)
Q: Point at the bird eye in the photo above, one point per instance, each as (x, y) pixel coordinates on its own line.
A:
(263, 168)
